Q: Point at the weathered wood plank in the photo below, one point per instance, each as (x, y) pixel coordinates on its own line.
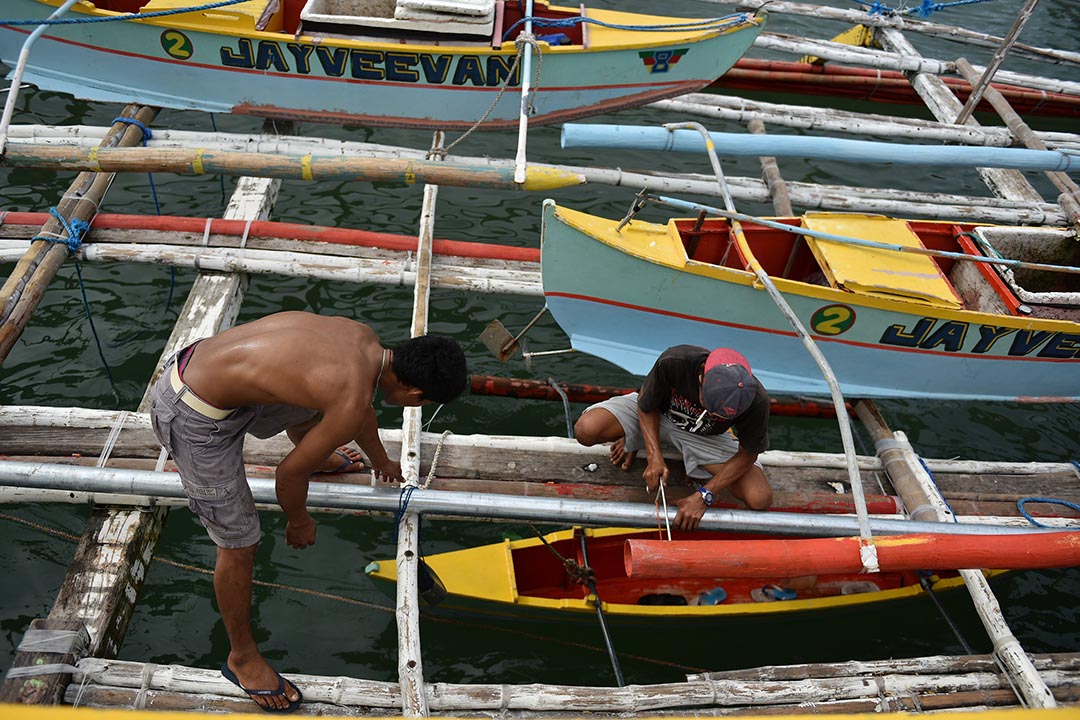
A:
(47, 643)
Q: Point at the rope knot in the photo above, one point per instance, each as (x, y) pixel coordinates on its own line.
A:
(73, 229)
(146, 134)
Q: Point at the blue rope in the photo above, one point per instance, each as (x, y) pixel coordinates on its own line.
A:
(701, 25)
(925, 9)
(941, 494)
(1052, 501)
(121, 18)
(403, 505)
(147, 135)
(75, 230)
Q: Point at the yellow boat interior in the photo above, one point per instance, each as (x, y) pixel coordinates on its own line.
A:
(943, 282)
(481, 22)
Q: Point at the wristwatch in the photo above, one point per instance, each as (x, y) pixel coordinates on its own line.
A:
(706, 495)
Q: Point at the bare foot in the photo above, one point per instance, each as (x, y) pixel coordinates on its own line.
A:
(343, 460)
(619, 456)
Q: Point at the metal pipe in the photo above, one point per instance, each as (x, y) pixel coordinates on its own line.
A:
(153, 484)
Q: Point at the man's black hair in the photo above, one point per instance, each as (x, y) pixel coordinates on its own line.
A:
(433, 363)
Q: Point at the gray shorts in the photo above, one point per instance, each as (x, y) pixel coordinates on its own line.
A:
(697, 450)
(209, 455)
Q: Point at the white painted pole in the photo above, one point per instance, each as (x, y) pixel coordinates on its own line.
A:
(20, 67)
(526, 95)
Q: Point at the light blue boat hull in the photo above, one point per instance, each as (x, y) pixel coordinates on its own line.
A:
(627, 310)
(350, 81)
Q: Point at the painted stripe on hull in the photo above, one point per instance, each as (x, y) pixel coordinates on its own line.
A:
(634, 310)
(785, 368)
(119, 56)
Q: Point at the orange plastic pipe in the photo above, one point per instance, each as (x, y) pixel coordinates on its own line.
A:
(831, 556)
(288, 231)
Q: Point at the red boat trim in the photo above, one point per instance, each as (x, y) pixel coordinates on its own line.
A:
(663, 87)
(817, 338)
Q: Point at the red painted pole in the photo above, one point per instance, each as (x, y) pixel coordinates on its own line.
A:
(834, 556)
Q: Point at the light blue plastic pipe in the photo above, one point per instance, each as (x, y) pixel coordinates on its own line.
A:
(633, 137)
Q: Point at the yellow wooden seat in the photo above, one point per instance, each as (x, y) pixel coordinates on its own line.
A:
(874, 271)
(242, 17)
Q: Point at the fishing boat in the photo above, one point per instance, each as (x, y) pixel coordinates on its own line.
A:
(899, 308)
(529, 578)
(439, 64)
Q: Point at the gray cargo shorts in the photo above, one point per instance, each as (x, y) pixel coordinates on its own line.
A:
(208, 452)
(697, 450)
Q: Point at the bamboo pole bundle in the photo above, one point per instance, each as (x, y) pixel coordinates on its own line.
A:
(1070, 191)
(206, 688)
(307, 167)
(399, 270)
(23, 289)
(895, 60)
(887, 86)
(952, 32)
(1009, 184)
(40, 430)
(726, 107)
(806, 195)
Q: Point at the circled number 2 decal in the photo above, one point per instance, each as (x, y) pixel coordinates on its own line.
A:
(832, 319)
(176, 44)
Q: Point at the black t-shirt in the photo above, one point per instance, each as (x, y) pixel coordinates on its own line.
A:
(673, 388)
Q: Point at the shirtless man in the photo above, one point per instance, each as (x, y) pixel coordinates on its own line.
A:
(690, 399)
(314, 377)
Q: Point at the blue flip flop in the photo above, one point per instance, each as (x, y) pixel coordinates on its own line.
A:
(229, 675)
(347, 463)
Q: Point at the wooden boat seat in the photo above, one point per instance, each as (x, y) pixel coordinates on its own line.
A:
(242, 17)
(875, 271)
(442, 17)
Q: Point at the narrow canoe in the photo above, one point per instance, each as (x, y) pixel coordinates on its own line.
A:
(526, 578)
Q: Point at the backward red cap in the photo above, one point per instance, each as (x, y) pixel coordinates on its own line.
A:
(727, 387)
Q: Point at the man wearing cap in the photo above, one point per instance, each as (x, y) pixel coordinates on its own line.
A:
(690, 399)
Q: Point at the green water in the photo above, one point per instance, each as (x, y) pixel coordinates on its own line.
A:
(320, 614)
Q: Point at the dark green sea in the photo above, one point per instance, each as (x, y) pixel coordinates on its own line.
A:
(317, 612)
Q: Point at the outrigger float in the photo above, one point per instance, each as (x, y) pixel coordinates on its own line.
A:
(439, 64)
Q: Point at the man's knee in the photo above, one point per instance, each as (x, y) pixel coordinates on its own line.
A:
(585, 431)
(759, 498)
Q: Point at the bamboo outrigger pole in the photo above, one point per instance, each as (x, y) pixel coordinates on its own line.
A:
(198, 161)
(22, 291)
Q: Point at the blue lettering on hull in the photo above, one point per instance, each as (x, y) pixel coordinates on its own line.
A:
(952, 336)
(395, 66)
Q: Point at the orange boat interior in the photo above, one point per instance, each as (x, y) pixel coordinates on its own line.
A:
(539, 573)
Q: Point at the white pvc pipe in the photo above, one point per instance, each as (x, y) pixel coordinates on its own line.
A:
(526, 96)
(20, 67)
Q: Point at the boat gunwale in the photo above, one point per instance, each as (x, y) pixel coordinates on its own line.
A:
(506, 48)
(819, 292)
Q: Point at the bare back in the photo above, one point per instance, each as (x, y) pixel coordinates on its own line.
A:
(295, 358)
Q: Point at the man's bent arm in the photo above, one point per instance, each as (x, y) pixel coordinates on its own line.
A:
(369, 441)
(656, 469)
